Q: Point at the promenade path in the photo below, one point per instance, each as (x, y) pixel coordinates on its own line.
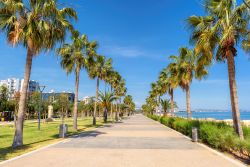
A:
(137, 142)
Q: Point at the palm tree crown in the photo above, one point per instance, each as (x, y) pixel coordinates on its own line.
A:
(216, 35)
(37, 25)
(74, 57)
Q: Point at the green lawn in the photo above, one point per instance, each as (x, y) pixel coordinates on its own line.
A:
(33, 138)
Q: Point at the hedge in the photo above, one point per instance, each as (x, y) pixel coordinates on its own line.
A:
(217, 135)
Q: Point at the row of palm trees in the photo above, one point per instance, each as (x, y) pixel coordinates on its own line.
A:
(41, 26)
(216, 36)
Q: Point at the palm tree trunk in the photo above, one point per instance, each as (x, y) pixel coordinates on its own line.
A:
(97, 93)
(66, 115)
(62, 115)
(172, 101)
(76, 100)
(105, 116)
(119, 108)
(233, 94)
(111, 112)
(189, 114)
(116, 112)
(18, 137)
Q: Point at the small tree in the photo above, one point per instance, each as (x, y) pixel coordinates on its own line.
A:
(166, 105)
(63, 102)
(4, 96)
(106, 100)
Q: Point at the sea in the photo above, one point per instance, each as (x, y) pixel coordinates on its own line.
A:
(219, 115)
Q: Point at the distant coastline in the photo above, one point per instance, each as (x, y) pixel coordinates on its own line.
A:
(211, 110)
(215, 114)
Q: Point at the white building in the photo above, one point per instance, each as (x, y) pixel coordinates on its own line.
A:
(87, 99)
(15, 85)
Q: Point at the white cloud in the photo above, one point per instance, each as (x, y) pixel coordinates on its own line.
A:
(124, 51)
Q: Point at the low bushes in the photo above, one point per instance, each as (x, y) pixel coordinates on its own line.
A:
(215, 134)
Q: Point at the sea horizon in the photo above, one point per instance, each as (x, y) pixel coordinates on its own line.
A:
(218, 114)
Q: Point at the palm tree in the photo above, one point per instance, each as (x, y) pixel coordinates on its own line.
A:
(38, 26)
(106, 100)
(114, 79)
(187, 70)
(99, 70)
(120, 91)
(154, 93)
(170, 82)
(217, 35)
(166, 105)
(128, 101)
(152, 103)
(74, 57)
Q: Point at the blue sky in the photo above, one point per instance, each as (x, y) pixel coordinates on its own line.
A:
(139, 35)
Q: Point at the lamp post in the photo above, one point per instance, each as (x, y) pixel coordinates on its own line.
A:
(41, 89)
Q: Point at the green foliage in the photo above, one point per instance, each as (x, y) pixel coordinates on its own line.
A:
(4, 95)
(246, 132)
(38, 25)
(100, 67)
(82, 107)
(35, 100)
(128, 101)
(63, 101)
(76, 55)
(106, 99)
(165, 104)
(35, 138)
(215, 134)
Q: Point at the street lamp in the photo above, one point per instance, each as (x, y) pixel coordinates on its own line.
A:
(41, 89)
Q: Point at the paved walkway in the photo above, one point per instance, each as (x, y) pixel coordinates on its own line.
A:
(137, 142)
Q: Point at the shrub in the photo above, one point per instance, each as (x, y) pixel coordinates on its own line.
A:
(218, 135)
(211, 135)
(154, 117)
(183, 126)
(246, 131)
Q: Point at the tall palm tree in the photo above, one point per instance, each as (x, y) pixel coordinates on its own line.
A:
(106, 100)
(217, 35)
(128, 101)
(120, 91)
(38, 26)
(156, 93)
(169, 79)
(187, 70)
(99, 70)
(74, 57)
(151, 101)
(114, 80)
